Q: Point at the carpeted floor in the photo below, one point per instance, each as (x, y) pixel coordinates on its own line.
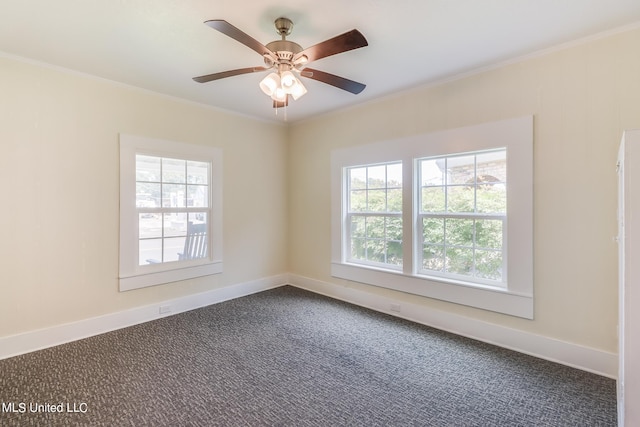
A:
(288, 357)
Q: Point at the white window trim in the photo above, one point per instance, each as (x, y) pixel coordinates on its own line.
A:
(514, 134)
(134, 276)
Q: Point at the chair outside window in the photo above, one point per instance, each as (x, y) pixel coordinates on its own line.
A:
(195, 244)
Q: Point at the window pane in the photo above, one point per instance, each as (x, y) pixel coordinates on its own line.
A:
(175, 224)
(197, 196)
(489, 234)
(147, 168)
(394, 175)
(432, 172)
(357, 226)
(461, 170)
(394, 253)
(376, 250)
(174, 170)
(491, 198)
(433, 230)
(459, 232)
(357, 178)
(375, 227)
(173, 246)
(492, 167)
(394, 200)
(433, 199)
(147, 195)
(358, 249)
(358, 201)
(433, 257)
(198, 217)
(173, 196)
(459, 261)
(377, 200)
(460, 199)
(197, 172)
(394, 228)
(149, 251)
(149, 225)
(376, 176)
(489, 264)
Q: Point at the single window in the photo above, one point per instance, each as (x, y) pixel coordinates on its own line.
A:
(172, 200)
(170, 217)
(461, 227)
(374, 214)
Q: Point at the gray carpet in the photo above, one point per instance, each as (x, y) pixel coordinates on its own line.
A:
(287, 357)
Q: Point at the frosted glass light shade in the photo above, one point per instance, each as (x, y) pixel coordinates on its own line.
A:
(279, 95)
(270, 84)
(298, 90)
(287, 80)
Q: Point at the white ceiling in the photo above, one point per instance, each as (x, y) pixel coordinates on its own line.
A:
(161, 44)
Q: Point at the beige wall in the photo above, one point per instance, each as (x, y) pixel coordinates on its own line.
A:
(59, 174)
(582, 98)
(59, 178)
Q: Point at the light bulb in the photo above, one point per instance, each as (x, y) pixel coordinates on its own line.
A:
(287, 80)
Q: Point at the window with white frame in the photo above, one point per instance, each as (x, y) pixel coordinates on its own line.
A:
(374, 212)
(447, 215)
(462, 214)
(170, 211)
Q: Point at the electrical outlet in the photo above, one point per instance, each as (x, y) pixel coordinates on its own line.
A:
(395, 307)
(164, 309)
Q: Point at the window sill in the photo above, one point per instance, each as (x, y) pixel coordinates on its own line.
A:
(175, 275)
(484, 297)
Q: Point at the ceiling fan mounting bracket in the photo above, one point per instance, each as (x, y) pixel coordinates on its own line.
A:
(284, 26)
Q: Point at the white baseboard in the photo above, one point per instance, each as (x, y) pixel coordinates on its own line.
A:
(574, 355)
(581, 357)
(48, 337)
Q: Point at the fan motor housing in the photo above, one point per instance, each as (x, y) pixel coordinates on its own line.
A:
(285, 49)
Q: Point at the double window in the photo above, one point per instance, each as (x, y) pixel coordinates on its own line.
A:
(170, 211)
(445, 215)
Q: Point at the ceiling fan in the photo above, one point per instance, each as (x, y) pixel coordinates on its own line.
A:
(289, 59)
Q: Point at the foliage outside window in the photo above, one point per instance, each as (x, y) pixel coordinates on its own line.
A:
(446, 215)
(462, 217)
(375, 214)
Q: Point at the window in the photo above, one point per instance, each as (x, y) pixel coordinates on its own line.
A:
(462, 216)
(170, 216)
(374, 212)
(446, 215)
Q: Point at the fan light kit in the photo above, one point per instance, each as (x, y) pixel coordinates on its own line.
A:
(289, 60)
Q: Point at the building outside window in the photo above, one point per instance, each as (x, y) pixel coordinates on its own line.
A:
(462, 216)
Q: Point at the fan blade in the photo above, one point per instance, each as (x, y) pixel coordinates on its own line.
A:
(342, 43)
(230, 73)
(333, 80)
(225, 28)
